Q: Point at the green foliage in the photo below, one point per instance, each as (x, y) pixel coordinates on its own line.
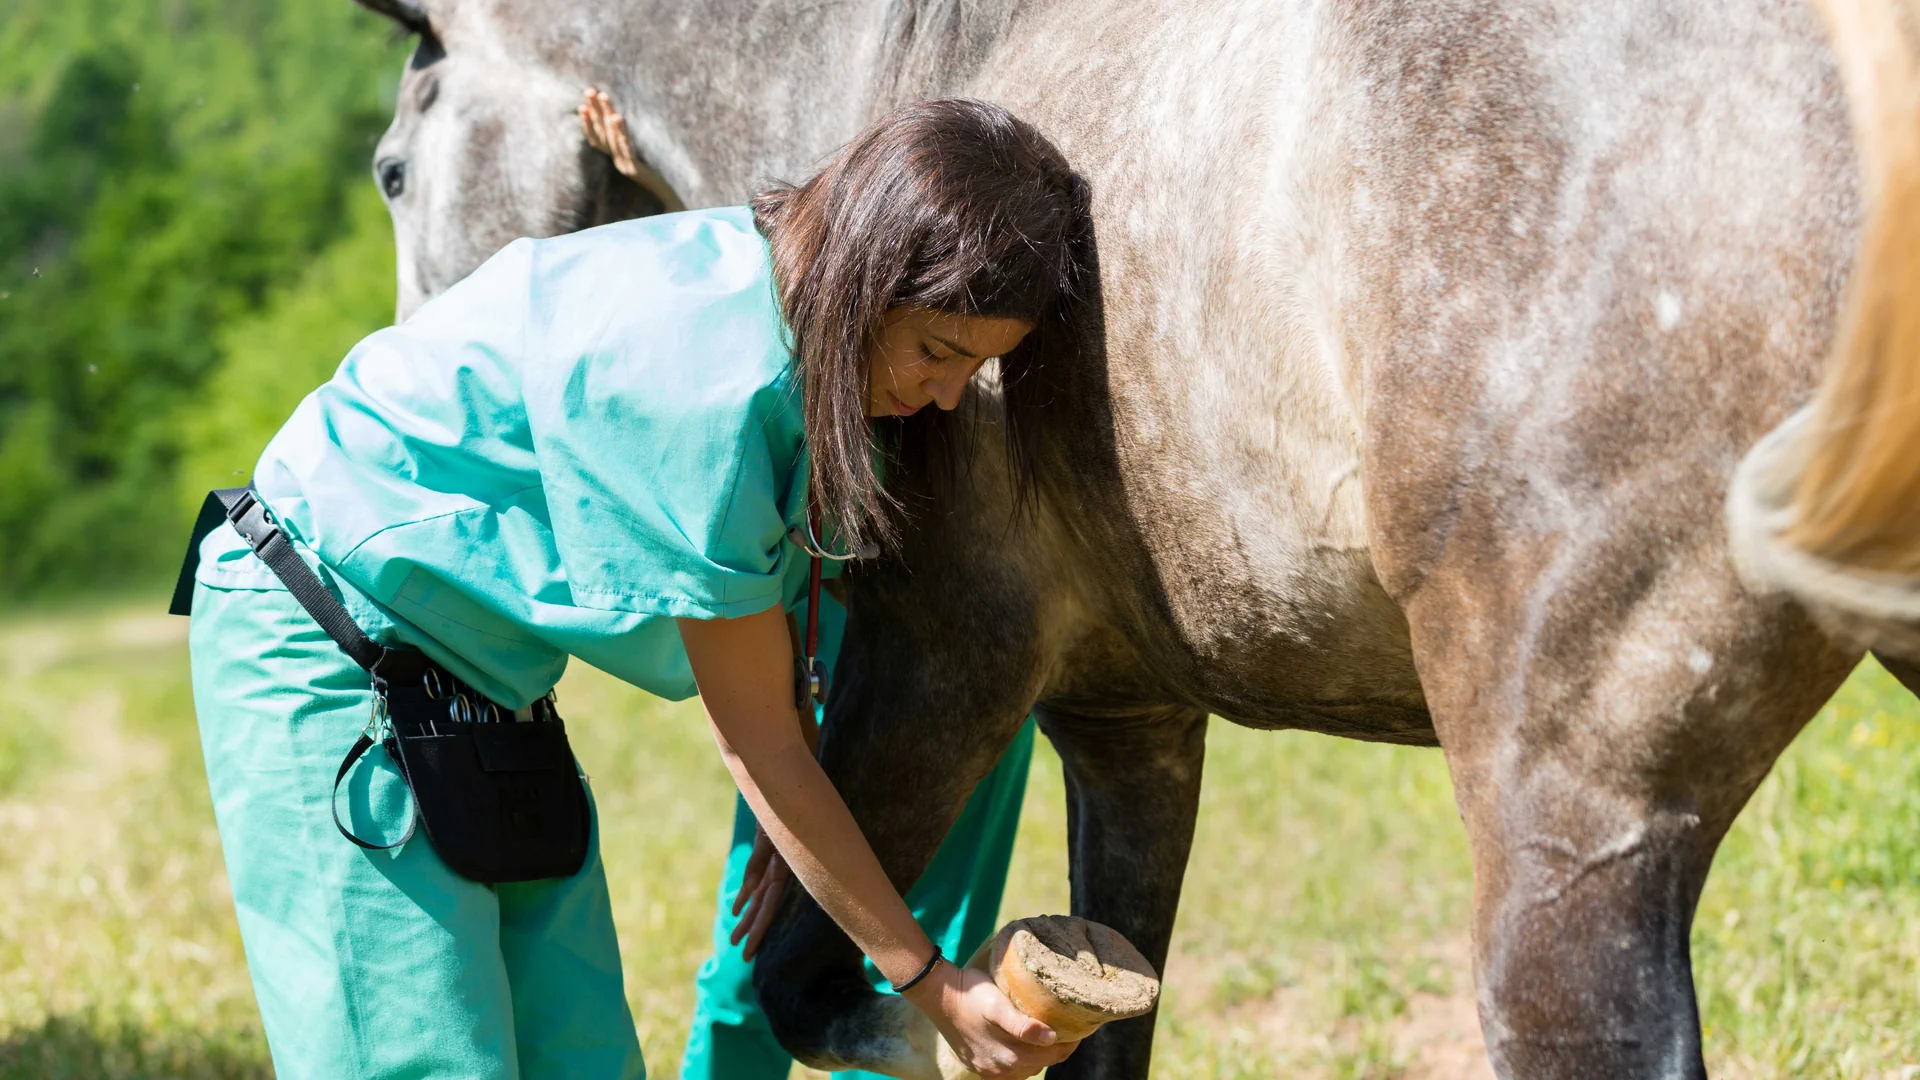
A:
(1811, 920)
(271, 359)
(165, 171)
(83, 1048)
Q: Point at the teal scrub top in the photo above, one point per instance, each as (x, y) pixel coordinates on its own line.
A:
(590, 437)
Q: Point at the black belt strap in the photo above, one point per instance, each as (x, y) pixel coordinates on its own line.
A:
(254, 522)
(251, 518)
(212, 513)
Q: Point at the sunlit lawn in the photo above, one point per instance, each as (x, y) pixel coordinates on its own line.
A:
(1322, 933)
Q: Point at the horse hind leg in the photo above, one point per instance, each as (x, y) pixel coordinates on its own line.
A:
(1601, 747)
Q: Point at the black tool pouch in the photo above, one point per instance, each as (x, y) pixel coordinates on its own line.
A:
(499, 795)
(500, 799)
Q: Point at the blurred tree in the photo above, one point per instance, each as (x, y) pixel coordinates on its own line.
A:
(271, 359)
(166, 171)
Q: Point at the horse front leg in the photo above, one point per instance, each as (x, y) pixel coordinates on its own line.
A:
(1133, 792)
(1601, 747)
(924, 703)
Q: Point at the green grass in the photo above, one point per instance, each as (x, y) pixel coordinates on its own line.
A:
(1323, 931)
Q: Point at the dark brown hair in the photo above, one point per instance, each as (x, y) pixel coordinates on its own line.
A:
(957, 206)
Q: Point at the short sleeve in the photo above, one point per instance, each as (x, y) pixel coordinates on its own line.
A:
(660, 398)
(421, 419)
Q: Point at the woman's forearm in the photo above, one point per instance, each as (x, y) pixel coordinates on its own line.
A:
(743, 667)
(744, 670)
(809, 823)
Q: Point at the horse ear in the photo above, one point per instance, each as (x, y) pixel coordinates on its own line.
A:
(408, 13)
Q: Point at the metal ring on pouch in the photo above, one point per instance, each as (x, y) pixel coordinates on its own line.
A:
(430, 682)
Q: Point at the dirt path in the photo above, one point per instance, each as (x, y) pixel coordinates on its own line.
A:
(1436, 1037)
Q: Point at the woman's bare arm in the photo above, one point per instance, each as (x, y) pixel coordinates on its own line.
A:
(744, 670)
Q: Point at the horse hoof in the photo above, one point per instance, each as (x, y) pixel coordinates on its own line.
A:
(1069, 973)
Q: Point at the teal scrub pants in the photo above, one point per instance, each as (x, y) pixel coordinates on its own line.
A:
(388, 964)
(382, 963)
(957, 901)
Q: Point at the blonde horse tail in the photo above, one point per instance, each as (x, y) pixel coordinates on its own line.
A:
(1857, 499)
(1827, 506)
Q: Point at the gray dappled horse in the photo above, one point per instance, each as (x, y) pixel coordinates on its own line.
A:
(1430, 334)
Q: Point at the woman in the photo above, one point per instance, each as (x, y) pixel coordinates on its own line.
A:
(596, 446)
(956, 901)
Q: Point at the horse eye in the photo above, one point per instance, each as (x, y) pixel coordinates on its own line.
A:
(392, 174)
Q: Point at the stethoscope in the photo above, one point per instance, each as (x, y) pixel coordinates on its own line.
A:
(808, 540)
(810, 676)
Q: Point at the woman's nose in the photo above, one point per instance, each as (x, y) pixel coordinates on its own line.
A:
(946, 391)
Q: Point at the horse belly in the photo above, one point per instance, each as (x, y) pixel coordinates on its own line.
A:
(1234, 436)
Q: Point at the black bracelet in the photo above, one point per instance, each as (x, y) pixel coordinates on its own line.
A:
(933, 960)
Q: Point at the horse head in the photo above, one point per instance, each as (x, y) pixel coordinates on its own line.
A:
(485, 148)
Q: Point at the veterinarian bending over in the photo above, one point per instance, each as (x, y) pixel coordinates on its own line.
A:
(599, 445)
(956, 900)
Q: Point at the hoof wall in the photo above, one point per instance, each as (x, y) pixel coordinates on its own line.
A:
(1072, 974)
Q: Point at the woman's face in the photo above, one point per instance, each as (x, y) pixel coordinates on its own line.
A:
(926, 357)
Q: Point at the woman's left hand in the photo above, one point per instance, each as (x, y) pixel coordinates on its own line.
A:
(606, 131)
(761, 890)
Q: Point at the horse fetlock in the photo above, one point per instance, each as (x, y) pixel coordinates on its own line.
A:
(877, 1033)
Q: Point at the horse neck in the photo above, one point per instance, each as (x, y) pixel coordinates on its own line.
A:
(725, 96)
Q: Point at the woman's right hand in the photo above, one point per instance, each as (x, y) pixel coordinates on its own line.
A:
(761, 890)
(982, 1027)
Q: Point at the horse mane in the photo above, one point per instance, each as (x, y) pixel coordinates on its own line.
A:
(928, 48)
(1857, 498)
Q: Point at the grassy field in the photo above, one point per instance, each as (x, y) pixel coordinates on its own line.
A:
(1322, 934)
